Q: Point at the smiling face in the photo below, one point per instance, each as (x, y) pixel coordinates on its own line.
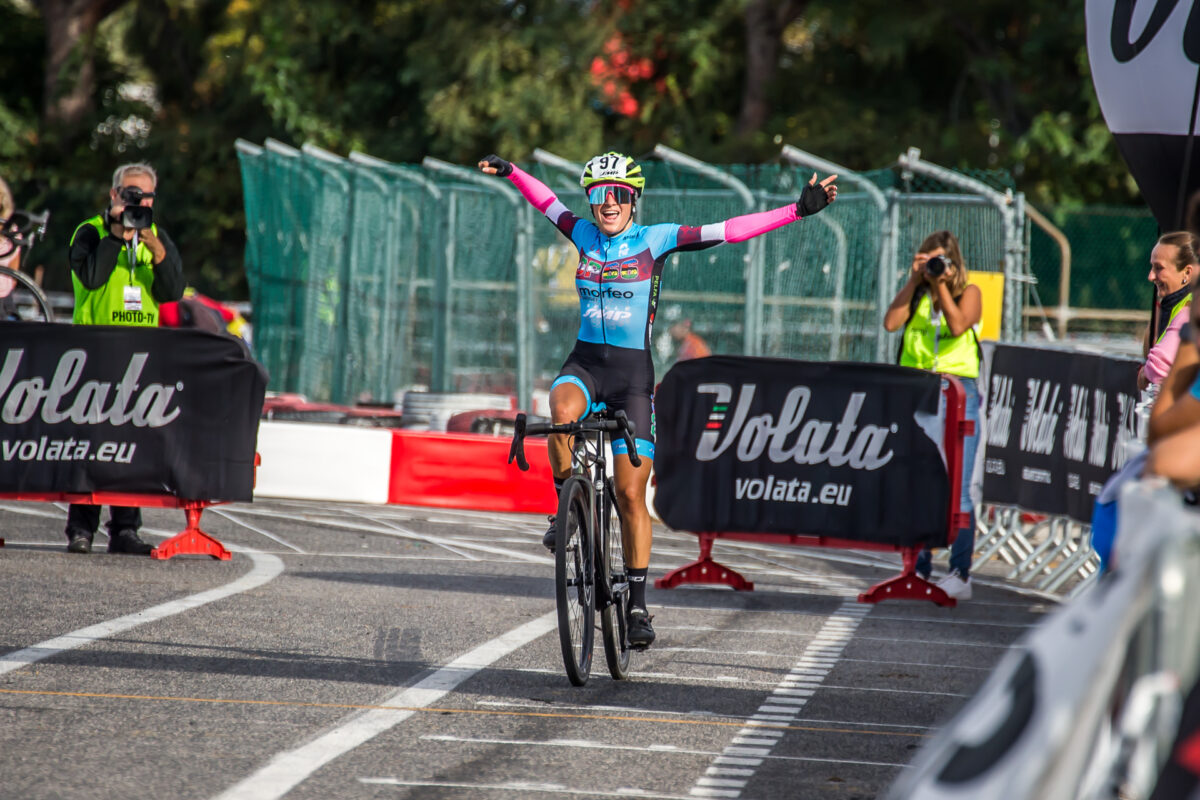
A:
(1164, 272)
(612, 216)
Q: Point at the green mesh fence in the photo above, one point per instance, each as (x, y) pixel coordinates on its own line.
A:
(369, 278)
(1110, 258)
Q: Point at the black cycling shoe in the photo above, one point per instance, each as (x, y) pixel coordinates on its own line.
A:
(640, 632)
(79, 542)
(550, 537)
(128, 542)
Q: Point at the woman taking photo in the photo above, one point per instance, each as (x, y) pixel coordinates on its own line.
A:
(938, 311)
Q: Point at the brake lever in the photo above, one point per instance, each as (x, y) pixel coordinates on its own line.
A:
(628, 429)
(517, 450)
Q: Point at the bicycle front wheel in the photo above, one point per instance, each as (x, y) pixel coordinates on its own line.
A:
(574, 585)
(26, 286)
(611, 555)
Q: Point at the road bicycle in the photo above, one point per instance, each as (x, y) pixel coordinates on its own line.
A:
(589, 561)
(20, 232)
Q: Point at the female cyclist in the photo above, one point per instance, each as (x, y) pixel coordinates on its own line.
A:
(618, 281)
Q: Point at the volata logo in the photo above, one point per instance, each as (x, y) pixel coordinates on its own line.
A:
(629, 273)
(763, 432)
(59, 399)
(610, 273)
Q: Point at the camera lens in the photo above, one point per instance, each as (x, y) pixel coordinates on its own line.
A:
(936, 265)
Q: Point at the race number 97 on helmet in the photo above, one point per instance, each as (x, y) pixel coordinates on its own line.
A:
(613, 169)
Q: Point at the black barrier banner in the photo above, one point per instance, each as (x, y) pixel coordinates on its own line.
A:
(133, 410)
(777, 446)
(1058, 422)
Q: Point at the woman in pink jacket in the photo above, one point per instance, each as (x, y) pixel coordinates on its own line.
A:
(1174, 265)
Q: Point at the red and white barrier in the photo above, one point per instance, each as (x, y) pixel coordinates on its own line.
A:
(374, 465)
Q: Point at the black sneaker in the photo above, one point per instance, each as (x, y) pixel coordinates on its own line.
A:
(79, 542)
(127, 542)
(641, 634)
(550, 536)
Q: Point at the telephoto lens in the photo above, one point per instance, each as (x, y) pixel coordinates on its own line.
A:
(936, 265)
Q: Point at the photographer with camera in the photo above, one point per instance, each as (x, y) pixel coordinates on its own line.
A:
(939, 310)
(122, 266)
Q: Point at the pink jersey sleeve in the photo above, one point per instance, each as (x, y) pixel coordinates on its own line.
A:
(747, 226)
(537, 193)
(1162, 355)
(544, 200)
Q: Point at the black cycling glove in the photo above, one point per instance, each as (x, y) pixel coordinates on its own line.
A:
(503, 168)
(813, 198)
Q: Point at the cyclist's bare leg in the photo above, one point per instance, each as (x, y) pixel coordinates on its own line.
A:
(635, 517)
(567, 404)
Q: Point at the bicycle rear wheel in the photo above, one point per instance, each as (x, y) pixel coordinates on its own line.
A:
(26, 286)
(611, 558)
(574, 586)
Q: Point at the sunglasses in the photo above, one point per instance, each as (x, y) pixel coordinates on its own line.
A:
(598, 195)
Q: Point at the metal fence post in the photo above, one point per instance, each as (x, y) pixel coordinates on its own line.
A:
(524, 233)
(754, 267)
(797, 156)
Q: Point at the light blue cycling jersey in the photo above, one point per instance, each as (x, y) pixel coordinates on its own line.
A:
(618, 277)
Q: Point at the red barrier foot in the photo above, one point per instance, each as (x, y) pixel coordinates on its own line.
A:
(191, 541)
(908, 585)
(704, 570)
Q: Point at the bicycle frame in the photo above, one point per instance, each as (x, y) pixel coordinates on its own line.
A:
(590, 485)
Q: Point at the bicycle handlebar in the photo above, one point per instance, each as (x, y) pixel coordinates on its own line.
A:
(618, 424)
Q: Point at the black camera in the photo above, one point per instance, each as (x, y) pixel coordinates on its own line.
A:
(136, 216)
(936, 266)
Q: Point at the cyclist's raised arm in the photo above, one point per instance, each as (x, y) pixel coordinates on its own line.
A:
(814, 197)
(539, 195)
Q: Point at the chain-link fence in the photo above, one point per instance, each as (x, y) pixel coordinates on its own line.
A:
(369, 278)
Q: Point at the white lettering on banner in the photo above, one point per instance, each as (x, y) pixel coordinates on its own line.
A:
(1000, 411)
(762, 433)
(46, 449)
(793, 491)
(20, 401)
(1126, 428)
(994, 466)
(1075, 435)
(1041, 417)
(1099, 449)
(1036, 475)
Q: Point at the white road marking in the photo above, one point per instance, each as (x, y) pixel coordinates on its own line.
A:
(266, 567)
(784, 703)
(289, 769)
(387, 529)
(221, 513)
(522, 788)
(664, 749)
(31, 511)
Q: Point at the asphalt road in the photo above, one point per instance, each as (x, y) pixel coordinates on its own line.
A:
(386, 652)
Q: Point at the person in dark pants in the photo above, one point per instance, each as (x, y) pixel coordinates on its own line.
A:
(123, 266)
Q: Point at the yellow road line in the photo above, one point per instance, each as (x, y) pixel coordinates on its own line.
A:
(741, 723)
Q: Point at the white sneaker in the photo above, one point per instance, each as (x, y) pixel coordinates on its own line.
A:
(955, 586)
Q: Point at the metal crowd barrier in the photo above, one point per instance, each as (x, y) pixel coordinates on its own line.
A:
(1044, 552)
(1088, 704)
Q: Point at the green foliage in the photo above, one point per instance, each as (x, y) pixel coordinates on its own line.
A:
(996, 84)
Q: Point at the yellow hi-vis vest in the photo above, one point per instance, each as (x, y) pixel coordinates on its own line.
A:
(107, 304)
(925, 346)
